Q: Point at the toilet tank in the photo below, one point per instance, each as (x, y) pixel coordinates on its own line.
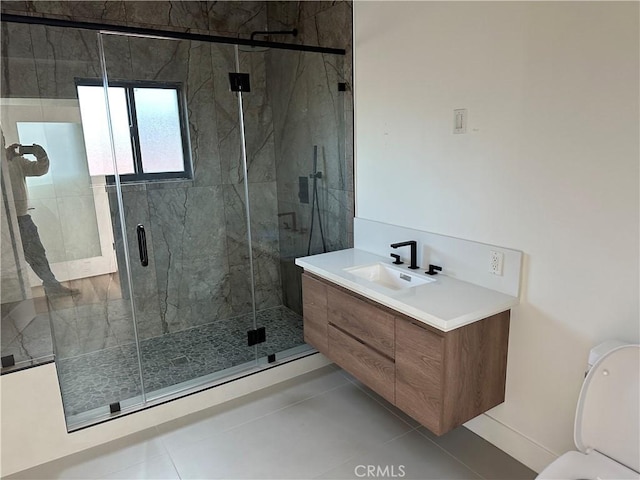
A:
(608, 413)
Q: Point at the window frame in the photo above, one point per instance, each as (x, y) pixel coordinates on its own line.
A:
(140, 175)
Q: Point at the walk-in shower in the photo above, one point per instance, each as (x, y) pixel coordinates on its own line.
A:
(173, 186)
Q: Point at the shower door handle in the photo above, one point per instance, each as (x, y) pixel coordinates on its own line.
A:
(142, 245)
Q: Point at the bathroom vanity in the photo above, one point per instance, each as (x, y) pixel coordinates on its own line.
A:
(438, 357)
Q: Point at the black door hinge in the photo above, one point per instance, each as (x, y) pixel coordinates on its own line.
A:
(239, 82)
(8, 361)
(259, 335)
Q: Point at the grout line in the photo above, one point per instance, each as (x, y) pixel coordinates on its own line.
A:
(414, 428)
(281, 408)
(231, 428)
(450, 454)
(175, 467)
(385, 405)
(105, 474)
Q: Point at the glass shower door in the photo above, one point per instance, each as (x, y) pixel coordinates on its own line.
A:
(62, 288)
(176, 124)
(300, 184)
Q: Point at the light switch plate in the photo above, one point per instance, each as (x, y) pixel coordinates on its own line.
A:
(460, 120)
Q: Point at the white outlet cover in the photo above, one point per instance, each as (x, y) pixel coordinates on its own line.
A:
(496, 259)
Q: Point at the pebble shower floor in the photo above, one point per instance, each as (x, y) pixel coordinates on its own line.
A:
(99, 378)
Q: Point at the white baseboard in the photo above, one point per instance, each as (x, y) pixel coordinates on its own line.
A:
(514, 443)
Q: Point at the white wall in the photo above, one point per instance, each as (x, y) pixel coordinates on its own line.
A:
(549, 165)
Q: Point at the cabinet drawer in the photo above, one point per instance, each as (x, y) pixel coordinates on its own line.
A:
(314, 300)
(419, 373)
(364, 321)
(371, 368)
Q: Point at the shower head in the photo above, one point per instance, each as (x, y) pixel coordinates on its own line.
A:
(250, 48)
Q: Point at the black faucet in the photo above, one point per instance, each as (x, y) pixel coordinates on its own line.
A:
(414, 252)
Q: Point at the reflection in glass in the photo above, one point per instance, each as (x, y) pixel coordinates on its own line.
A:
(61, 205)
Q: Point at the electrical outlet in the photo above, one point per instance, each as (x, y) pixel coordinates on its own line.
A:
(495, 262)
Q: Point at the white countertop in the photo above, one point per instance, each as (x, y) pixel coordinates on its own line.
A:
(446, 303)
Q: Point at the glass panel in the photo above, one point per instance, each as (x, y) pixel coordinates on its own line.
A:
(95, 126)
(124, 330)
(62, 140)
(64, 288)
(193, 300)
(159, 129)
(300, 180)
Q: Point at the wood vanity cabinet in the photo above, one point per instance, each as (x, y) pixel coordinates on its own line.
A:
(362, 340)
(314, 301)
(442, 379)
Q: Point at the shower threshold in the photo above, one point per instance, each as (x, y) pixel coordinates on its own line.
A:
(186, 388)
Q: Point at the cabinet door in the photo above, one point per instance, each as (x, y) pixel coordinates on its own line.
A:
(364, 321)
(370, 367)
(419, 373)
(314, 306)
(476, 360)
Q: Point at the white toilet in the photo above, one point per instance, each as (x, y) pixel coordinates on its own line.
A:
(607, 426)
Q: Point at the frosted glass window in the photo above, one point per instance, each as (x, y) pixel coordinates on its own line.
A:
(93, 112)
(147, 128)
(159, 129)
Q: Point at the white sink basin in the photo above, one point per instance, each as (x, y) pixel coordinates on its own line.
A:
(388, 276)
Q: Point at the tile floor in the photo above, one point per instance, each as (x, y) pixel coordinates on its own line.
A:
(324, 424)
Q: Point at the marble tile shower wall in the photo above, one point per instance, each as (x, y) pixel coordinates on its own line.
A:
(311, 111)
(196, 230)
(197, 236)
